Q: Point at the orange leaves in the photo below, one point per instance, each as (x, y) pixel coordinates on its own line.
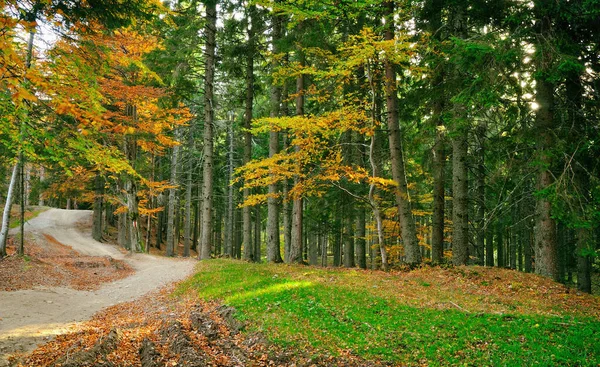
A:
(23, 94)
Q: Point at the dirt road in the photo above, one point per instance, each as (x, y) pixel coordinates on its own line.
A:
(29, 317)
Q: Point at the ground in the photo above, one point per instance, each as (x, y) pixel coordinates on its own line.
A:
(234, 313)
(70, 277)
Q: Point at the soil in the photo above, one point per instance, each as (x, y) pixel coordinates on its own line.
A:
(71, 277)
(159, 330)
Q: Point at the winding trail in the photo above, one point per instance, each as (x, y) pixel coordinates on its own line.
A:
(30, 317)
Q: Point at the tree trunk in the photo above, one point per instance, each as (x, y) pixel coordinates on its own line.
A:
(584, 259)
(257, 231)
(27, 183)
(545, 247)
(247, 211)
(500, 244)
(209, 74)
(33, 17)
(407, 222)
(489, 246)
(349, 243)
(228, 247)
(187, 224)
(528, 251)
(480, 197)
(323, 245)
(375, 162)
(273, 243)
(439, 197)
(171, 243)
(460, 200)
(237, 253)
(218, 230)
(546, 251)
(161, 220)
(135, 243)
(98, 207)
(6, 213)
(313, 248)
(287, 218)
(337, 245)
(439, 147)
(513, 238)
(42, 176)
(122, 230)
(361, 243)
(297, 205)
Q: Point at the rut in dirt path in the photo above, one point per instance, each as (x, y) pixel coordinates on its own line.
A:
(29, 317)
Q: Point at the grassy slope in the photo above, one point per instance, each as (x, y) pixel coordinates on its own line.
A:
(465, 316)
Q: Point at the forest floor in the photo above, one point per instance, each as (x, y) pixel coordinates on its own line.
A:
(66, 277)
(233, 313)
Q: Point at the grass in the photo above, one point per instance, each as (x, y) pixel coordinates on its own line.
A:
(15, 217)
(353, 312)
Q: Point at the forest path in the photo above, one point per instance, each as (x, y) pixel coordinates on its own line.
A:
(29, 317)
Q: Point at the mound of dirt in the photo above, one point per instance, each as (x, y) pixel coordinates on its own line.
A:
(159, 330)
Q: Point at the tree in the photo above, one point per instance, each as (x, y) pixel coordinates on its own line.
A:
(207, 172)
(407, 222)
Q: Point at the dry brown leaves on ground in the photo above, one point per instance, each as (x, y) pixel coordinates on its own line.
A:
(159, 330)
(53, 264)
(471, 289)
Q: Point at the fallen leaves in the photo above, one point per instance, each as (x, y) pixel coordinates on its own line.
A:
(47, 262)
(161, 330)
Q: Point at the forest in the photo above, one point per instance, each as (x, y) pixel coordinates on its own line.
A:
(407, 141)
(376, 134)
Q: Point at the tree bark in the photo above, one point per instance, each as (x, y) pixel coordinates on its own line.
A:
(480, 197)
(98, 207)
(407, 222)
(489, 246)
(439, 147)
(545, 246)
(122, 230)
(375, 163)
(247, 211)
(207, 173)
(287, 217)
(228, 247)
(313, 248)
(297, 205)
(187, 225)
(171, 243)
(273, 242)
(133, 216)
(460, 200)
(6, 213)
(257, 232)
(42, 176)
(361, 243)
(349, 244)
(500, 244)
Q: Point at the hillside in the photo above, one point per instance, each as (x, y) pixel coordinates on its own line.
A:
(295, 315)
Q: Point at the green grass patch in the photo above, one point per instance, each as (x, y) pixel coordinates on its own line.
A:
(301, 307)
(15, 219)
